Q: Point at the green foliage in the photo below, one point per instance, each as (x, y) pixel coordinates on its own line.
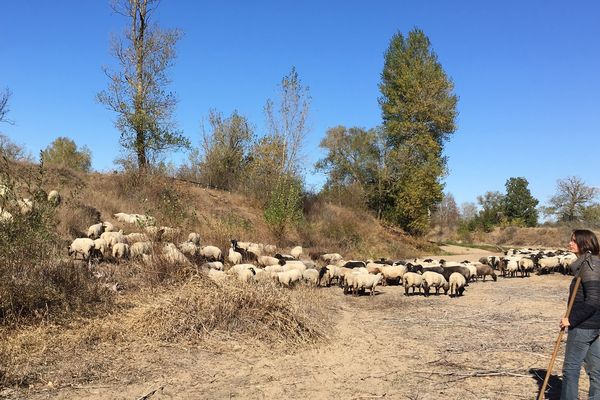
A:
(284, 207)
(138, 91)
(519, 204)
(419, 112)
(33, 284)
(225, 150)
(491, 212)
(63, 152)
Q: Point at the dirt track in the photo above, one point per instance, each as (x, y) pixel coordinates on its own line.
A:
(488, 344)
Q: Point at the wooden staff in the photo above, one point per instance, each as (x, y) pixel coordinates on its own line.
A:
(560, 336)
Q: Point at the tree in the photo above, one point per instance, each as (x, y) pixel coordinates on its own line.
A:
(468, 211)
(4, 97)
(447, 214)
(288, 122)
(11, 150)
(63, 152)
(571, 198)
(138, 91)
(419, 112)
(492, 210)
(225, 150)
(519, 204)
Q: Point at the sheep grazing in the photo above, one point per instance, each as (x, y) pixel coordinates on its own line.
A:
(434, 280)
(213, 265)
(190, 249)
(108, 227)
(211, 253)
(269, 249)
(526, 266)
(393, 274)
(366, 281)
(136, 237)
(354, 264)
(194, 238)
(100, 248)
(172, 254)
(120, 251)
(139, 249)
(287, 278)
(311, 276)
(247, 256)
(216, 275)
(83, 246)
(234, 257)
(457, 284)
(412, 280)
(25, 205)
(94, 231)
(5, 216)
(265, 261)
(485, 270)
(331, 257)
(113, 238)
(54, 198)
(296, 252)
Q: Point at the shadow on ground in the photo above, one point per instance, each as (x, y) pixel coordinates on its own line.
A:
(554, 383)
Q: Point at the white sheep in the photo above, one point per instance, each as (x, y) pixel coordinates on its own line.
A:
(100, 247)
(287, 278)
(234, 257)
(25, 205)
(412, 280)
(169, 233)
(211, 253)
(124, 217)
(136, 237)
(154, 231)
(94, 231)
(213, 265)
(189, 248)
(83, 246)
(434, 280)
(113, 238)
(311, 276)
(194, 238)
(296, 252)
(457, 284)
(393, 273)
(265, 261)
(269, 249)
(246, 275)
(298, 265)
(366, 281)
(331, 258)
(108, 227)
(5, 216)
(139, 249)
(216, 275)
(172, 254)
(120, 251)
(54, 198)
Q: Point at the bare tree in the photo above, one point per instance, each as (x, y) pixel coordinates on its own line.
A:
(4, 97)
(571, 198)
(289, 121)
(137, 92)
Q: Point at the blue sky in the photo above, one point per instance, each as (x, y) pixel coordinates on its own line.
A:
(527, 74)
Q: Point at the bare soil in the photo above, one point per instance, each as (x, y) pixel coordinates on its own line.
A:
(494, 342)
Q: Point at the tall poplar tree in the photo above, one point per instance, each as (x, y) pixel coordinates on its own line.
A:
(419, 111)
(137, 92)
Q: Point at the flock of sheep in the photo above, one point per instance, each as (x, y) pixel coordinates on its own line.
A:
(24, 205)
(249, 261)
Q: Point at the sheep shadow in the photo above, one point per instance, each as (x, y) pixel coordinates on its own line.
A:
(554, 383)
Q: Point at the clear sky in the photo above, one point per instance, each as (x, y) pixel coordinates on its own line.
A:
(527, 74)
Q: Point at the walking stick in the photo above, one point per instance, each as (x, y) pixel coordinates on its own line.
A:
(560, 336)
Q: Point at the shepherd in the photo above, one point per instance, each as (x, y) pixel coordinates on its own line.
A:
(582, 318)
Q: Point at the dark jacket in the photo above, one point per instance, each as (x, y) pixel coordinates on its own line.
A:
(585, 313)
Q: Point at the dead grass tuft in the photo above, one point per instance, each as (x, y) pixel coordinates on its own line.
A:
(202, 308)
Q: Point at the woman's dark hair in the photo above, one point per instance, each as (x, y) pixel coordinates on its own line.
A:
(586, 241)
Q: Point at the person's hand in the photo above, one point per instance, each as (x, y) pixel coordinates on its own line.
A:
(564, 323)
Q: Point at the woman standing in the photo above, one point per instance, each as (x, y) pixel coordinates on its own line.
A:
(583, 345)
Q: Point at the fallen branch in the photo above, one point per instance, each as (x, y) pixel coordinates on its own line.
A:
(147, 396)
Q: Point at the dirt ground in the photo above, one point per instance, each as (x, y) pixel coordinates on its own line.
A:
(494, 342)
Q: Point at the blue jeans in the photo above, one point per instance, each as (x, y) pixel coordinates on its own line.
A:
(583, 347)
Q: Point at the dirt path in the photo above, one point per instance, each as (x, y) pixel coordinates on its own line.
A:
(488, 344)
